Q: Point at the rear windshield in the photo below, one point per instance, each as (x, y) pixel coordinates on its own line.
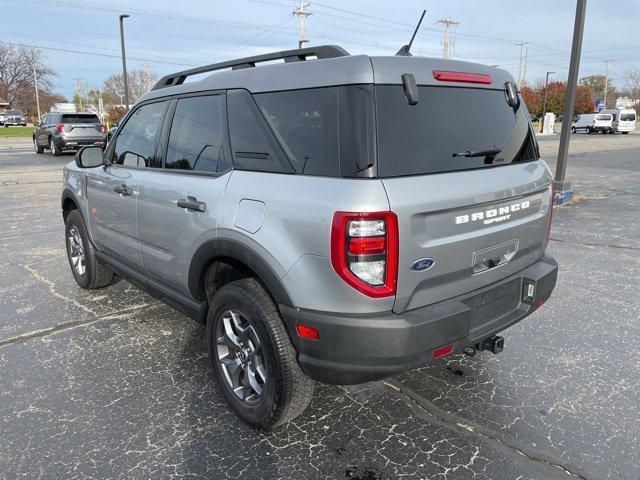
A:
(448, 130)
(13, 112)
(628, 117)
(603, 117)
(80, 119)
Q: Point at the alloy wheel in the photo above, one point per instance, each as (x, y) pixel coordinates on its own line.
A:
(241, 358)
(76, 250)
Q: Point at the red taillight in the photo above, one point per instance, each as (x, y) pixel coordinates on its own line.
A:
(59, 128)
(367, 245)
(103, 129)
(364, 251)
(442, 351)
(307, 332)
(462, 77)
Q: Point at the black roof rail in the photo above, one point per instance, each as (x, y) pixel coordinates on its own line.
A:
(297, 55)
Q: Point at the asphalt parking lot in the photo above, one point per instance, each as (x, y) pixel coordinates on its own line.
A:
(113, 384)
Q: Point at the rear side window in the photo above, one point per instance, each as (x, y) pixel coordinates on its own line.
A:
(135, 143)
(195, 142)
(80, 119)
(437, 134)
(306, 124)
(252, 143)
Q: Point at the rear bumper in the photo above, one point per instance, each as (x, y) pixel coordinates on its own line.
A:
(359, 348)
(76, 143)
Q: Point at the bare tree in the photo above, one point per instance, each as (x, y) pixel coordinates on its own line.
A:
(17, 65)
(140, 82)
(632, 79)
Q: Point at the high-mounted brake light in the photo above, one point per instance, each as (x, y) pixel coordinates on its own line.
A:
(364, 251)
(60, 128)
(462, 77)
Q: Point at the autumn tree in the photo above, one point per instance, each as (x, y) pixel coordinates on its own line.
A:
(533, 99)
(140, 82)
(17, 67)
(596, 84)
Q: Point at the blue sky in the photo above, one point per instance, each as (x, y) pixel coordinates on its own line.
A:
(162, 33)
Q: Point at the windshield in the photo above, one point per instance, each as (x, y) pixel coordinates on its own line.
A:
(603, 117)
(627, 117)
(449, 129)
(80, 119)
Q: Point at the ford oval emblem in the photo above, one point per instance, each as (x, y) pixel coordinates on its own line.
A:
(422, 264)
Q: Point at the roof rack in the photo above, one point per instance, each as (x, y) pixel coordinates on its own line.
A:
(300, 54)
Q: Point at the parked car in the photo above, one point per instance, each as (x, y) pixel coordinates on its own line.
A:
(623, 120)
(337, 218)
(68, 131)
(592, 123)
(15, 118)
(1, 118)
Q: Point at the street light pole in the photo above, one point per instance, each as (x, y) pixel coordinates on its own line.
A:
(544, 102)
(561, 187)
(125, 80)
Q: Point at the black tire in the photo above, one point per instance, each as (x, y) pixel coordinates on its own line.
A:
(286, 391)
(54, 148)
(624, 133)
(589, 130)
(573, 129)
(39, 150)
(95, 274)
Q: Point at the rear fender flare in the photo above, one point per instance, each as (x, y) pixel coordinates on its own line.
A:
(222, 247)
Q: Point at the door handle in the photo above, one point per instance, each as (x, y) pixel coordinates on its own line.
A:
(192, 203)
(123, 189)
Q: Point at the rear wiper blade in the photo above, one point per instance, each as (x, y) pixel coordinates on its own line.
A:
(478, 153)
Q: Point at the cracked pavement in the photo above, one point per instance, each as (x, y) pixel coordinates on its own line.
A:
(113, 383)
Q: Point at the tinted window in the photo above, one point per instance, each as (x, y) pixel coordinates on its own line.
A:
(627, 117)
(195, 142)
(424, 138)
(135, 143)
(252, 144)
(80, 119)
(306, 124)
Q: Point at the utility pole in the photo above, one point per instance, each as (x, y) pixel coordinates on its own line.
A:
(125, 79)
(448, 42)
(524, 67)
(523, 50)
(606, 80)
(544, 102)
(35, 84)
(79, 93)
(302, 15)
(562, 188)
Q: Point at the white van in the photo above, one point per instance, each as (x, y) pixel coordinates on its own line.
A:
(592, 122)
(623, 120)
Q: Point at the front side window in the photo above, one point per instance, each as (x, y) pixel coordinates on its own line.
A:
(195, 142)
(135, 143)
(603, 117)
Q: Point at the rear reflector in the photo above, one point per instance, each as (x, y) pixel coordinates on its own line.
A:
(308, 332)
(443, 351)
(367, 245)
(462, 77)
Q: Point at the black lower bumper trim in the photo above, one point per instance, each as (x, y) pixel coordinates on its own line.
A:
(359, 348)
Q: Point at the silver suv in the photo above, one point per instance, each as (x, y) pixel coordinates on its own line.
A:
(330, 217)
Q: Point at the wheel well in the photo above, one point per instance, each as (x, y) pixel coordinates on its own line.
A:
(67, 206)
(224, 270)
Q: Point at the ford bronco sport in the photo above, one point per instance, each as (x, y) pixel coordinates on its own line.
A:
(331, 217)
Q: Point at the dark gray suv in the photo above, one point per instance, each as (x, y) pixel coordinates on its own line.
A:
(68, 131)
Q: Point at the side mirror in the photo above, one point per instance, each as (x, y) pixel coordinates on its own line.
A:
(89, 157)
